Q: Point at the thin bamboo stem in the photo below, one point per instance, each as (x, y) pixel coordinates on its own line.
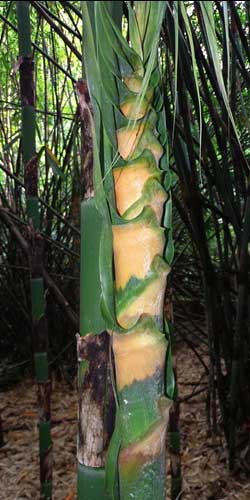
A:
(35, 248)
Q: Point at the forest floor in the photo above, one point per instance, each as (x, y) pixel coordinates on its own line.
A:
(204, 459)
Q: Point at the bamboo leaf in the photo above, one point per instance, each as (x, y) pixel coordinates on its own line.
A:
(134, 32)
(111, 470)
(169, 252)
(142, 11)
(89, 54)
(116, 40)
(54, 163)
(208, 17)
(154, 23)
(168, 213)
(106, 275)
(226, 21)
(195, 69)
(176, 57)
(170, 377)
(14, 139)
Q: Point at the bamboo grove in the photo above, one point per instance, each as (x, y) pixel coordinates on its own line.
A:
(200, 82)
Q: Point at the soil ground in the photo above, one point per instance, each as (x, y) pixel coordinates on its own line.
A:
(204, 459)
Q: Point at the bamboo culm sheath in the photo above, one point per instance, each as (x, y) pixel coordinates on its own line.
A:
(140, 277)
(132, 196)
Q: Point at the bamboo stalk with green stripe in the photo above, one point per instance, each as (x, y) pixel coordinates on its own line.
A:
(131, 183)
(140, 278)
(35, 241)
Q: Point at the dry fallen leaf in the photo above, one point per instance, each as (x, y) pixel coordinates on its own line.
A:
(203, 458)
(70, 496)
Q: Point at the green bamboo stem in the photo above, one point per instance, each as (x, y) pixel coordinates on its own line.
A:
(94, 386)
(94, 392)
(129, 155)
(174, 414)
(35, 244)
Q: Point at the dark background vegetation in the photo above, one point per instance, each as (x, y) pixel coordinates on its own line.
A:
(211, 194)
